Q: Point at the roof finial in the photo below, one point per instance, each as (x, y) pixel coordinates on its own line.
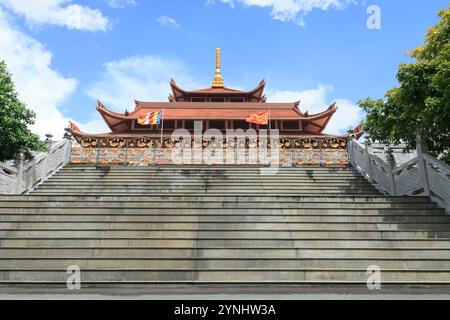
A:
(218, 80)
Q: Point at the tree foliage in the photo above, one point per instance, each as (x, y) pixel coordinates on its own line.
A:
(422, 99)
(15, 137)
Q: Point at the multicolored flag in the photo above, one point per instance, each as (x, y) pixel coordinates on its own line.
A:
(150, 118)
(259, 118)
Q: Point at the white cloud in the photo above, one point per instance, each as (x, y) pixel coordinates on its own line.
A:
(316, 100)
(41, 87)
(230, 2)
(60, 13)
(291, 10)
(168, 22)
(120, 3)
(141, 78)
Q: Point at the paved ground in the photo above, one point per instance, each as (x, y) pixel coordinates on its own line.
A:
(228, 293)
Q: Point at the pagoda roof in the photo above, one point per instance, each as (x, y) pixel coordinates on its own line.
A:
(119, 122)
(182, 95)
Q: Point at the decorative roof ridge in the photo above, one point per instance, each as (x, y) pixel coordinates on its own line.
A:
(206, 105)
(331, 109)
(261, 85)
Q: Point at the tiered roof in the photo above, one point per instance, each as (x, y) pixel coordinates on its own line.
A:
(181, 95)
(188, 105)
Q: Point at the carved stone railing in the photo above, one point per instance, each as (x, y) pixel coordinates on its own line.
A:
(145, 151)
(422, 175)
(24, 176)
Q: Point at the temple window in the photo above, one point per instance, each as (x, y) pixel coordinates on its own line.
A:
(274, 124)
(241, 125)
(218, 99)
(236, 99)
(291, 125)
(169, 124)
(189, 124)
(200, 99)
(216, 124)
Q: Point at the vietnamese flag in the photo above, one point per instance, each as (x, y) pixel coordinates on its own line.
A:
(259, 118)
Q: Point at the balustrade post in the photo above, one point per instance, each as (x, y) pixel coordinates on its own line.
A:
(18, 164)
(391, 164)
(97, 156)
(321, 158)
(421, 149)
(291, 151)
(369, 160)
(350, 152)
(126, 152)
(68, 137)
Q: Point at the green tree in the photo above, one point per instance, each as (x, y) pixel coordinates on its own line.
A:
(422, 99)
(15, 137)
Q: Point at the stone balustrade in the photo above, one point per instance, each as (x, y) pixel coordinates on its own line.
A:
(287, 151)
(24, 176)
(419, 173)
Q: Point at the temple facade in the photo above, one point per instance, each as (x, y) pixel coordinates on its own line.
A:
(144, 136)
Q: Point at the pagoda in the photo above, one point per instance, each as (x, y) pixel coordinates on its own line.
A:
(217, 107)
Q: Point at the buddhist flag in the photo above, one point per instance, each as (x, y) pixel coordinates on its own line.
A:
(259, 118)
(150, 118)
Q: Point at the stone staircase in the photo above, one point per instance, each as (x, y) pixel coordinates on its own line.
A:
(230, 225)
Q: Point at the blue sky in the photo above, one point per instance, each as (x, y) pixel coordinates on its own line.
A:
(64, 54)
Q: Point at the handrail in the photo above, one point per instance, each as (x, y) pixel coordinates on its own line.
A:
(26, 175)
(415, 177)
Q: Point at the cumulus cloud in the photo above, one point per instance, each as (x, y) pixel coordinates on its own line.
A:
(58, 12)
(120, 3)
(291, 10)
(39, 85)
(168, 22)
(141, 78)
(316, 100)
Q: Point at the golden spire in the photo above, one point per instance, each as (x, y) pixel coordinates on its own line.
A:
(218, 80)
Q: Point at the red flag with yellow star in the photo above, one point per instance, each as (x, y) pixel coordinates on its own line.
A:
(259, 118)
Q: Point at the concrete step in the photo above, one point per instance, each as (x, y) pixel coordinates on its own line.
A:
(220, 212)
(224, 243)
(74, 233)
(196, 205)
(223, 218)
(205, 190)
(255, 252)
(225, 186)
(206, 263)
(294, 184)
(200, 225)
(236, 197)
(225, 226)
(281, 172)
(205, 170)
(226, 275)
(84, 177)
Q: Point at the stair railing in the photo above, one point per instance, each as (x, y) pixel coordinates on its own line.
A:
(23, 176)
(422, 175)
